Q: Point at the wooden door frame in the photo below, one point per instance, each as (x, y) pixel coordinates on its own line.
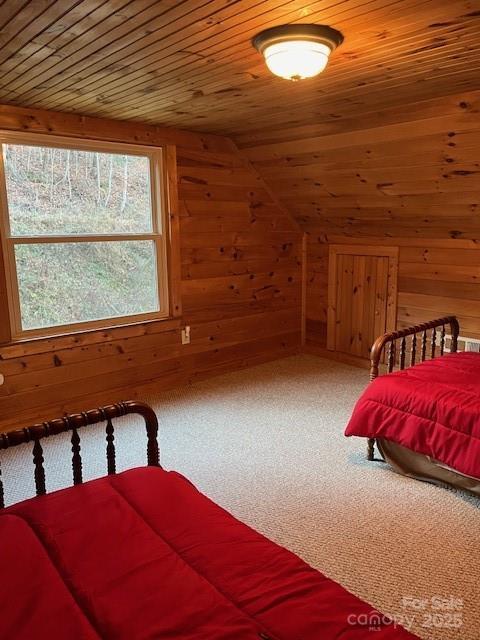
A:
(392, 283)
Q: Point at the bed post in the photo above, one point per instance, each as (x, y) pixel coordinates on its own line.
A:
(371, 449)
(454, 330)
(375, 357)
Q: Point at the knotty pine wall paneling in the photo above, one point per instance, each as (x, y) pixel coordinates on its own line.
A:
(240, 287)
(404, 177)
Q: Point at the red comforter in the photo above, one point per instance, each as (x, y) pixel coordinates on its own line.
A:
(144, 555)
(432, 408)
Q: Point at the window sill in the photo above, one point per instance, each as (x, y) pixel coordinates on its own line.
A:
(36, 345)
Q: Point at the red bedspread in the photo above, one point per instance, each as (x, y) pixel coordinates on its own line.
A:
(432, 408)
(144, 555)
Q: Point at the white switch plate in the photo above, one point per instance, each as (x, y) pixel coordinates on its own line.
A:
(186, 335)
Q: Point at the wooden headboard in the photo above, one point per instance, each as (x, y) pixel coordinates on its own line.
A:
(73, 423)
(397, 354)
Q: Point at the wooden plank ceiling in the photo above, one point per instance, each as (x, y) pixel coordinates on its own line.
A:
(190, 64)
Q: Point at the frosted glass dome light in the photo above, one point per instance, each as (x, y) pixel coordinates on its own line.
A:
(297, 59)
(297, 51)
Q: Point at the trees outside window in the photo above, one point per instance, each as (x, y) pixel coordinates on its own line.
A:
(83, 237)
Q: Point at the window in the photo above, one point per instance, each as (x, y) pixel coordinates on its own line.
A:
(83, 234)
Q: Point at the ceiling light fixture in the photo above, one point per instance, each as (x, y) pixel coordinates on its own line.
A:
(297, 51)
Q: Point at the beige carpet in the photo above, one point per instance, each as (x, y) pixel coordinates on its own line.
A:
(267, 444)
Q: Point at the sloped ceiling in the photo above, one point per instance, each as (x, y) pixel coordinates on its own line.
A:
(412, 171)
(191, 65)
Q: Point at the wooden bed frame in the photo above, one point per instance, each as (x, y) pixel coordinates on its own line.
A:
(73, 423)
(385, 349)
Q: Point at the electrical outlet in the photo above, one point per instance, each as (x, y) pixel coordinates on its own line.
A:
(186, 335)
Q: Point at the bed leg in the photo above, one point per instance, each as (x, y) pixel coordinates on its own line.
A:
(371, 449)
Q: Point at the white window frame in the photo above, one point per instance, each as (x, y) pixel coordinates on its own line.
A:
(159, 233)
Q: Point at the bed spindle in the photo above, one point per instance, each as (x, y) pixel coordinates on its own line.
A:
(403, 352)
(424, 345)
(391, 356)
(433, 343)
(76, 457)
(153, 459)
(413, 350)
(111, 465)
(442, 340)
(2, 495)
(39, 473)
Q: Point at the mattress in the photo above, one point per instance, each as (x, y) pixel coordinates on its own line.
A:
(432, 408)
(144, 555)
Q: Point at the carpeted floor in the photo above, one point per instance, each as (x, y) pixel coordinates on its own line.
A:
(267, 444)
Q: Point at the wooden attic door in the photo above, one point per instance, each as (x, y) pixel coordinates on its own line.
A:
(362, 296)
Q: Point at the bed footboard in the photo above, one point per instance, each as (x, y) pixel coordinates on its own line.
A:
(406, 347)
(73, 423)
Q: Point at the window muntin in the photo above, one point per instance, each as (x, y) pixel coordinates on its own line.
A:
(82, 231)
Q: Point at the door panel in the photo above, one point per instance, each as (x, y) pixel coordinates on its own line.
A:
(345, 282)
(362, 290)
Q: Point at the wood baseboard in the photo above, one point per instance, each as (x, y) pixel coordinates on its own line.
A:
(183, 372)
(315, 349)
